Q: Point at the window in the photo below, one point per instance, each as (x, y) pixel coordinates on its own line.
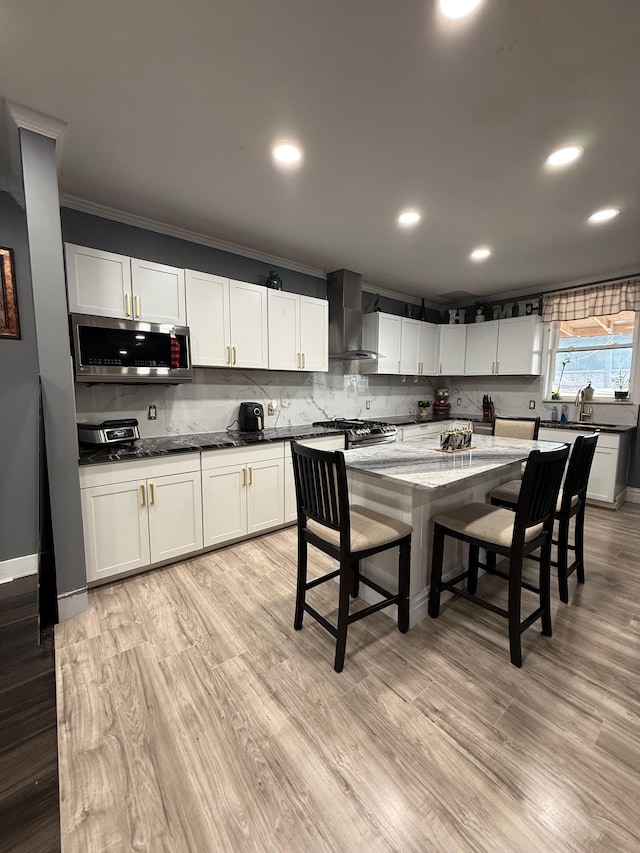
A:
(596, 350)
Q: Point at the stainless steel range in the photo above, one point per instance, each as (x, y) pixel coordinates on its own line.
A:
(361, 433)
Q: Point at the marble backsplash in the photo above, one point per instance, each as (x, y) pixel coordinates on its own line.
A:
(210, 402)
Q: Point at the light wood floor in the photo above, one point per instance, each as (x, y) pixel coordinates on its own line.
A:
(193, 718)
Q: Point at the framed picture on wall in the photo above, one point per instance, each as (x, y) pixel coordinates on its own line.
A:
(9, 324)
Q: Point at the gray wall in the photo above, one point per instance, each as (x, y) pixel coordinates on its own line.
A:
(42, 206)
(19, 403)
(98, 233)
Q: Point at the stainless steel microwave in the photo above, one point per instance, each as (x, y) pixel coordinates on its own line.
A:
(110, 350)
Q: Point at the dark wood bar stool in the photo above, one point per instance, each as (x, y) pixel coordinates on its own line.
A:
(348, 534)
(572, 502)
(514, 535)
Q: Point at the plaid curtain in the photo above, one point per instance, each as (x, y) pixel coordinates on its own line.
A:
(592, 301)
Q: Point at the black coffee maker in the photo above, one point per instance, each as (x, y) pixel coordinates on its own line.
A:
(251, 418)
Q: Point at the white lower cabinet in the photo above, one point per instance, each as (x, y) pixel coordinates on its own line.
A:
(139, 513)
(242, 490)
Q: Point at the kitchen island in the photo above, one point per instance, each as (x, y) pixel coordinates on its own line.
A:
(413, 481)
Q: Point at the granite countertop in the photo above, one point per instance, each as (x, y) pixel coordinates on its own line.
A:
(421, 465)
(145, 448)
(587, 426)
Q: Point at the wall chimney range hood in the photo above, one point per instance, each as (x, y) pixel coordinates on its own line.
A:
(344, 292)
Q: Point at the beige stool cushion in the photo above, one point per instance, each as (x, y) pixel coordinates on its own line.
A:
(511, 492)
(369, 529)
(514, 429)
(489, 523)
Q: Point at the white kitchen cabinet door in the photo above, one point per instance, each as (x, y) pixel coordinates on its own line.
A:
(265, 494)
(428, 350)
(452, 348)
(382, 333)
(98, 282)
(290, 503)
(158, 293)
(175, 515)
(284, 330)
(208, 319)
(409, 347)
(602, 477)
(482, 348)
(224, 503)
(519, 346)
(116, 528)
(249, 330)
(314, 334)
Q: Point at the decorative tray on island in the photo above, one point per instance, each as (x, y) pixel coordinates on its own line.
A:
(456, 449)
(455, 440)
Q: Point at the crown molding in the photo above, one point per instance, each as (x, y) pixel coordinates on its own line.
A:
(28, 119)
(95, 209)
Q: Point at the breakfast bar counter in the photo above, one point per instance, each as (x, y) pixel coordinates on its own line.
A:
(413, 481)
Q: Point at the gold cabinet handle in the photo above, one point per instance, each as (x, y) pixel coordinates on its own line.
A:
(152, 494)
(234, 355)
(250, 476)
(497, 367)
(440, 367)
(143, 496)
(298, 360)
(493, 367)
(228, 355)
(398, 367)
(127, 304)
(303, 361)
(244, 476)
(137, 304)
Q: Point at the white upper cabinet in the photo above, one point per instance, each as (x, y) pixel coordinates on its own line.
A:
(298, 332)
(428, 349)
(482, 347)
(452, 348)
(519, 346)
(248, 324)
(404, 345)
(98, 282)
(110, 285)
(409, 347)
(382, 333)
(227, 321)
(158, 293)
(508, 347)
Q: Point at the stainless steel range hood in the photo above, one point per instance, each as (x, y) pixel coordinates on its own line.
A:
(344, 291)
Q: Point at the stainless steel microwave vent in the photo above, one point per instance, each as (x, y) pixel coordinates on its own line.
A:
(344, 292)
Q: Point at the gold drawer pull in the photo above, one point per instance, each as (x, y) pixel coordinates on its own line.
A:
(152, 495)
(127, 304)
(137, 303)
(244, 476)
(143, 496)
(251, 476)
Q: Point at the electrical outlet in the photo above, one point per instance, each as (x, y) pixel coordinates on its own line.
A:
(532, 404)
(271, 409)
(152, 412)
(367, 404)
(459, 401)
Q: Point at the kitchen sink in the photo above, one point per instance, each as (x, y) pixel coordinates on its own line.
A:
(574, 424)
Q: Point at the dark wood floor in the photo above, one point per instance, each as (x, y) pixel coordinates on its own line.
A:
(29, 811)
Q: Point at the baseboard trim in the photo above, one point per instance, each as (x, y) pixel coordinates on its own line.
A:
(18, 567)
(633, 495)
(72, 604)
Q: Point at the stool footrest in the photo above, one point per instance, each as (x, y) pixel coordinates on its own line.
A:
(324, 578)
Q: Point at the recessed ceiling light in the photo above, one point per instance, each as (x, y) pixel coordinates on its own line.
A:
(603, 215)
(287, 153)
(480, 254)
(458, 8)
(564, 156)
(408, 218)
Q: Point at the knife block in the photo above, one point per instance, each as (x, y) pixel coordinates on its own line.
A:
(488, 412)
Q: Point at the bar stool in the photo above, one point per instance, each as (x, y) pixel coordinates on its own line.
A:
(517, 427)
(348, 534)
(514, 535)
(571, 502)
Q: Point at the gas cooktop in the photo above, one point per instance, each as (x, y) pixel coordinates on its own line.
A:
(359, 431)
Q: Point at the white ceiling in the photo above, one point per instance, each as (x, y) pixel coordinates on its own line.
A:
(173, 109)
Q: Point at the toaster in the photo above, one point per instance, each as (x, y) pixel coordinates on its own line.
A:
(251, 418)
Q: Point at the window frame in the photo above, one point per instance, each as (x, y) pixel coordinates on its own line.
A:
(553, 338)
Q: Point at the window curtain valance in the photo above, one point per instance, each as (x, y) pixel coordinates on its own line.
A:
(593, 300)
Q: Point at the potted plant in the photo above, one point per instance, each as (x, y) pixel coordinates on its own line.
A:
(481, 311)
(621, 385)
(555, 393)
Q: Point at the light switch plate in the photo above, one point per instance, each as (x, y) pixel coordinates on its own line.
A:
(532, 404)
(367, 404)
(152, 412)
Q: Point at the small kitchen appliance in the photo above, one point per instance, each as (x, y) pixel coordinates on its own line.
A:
(109, 432)
(251, 418)
(441, 405)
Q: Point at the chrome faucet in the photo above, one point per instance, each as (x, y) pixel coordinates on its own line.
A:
(584, 412)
